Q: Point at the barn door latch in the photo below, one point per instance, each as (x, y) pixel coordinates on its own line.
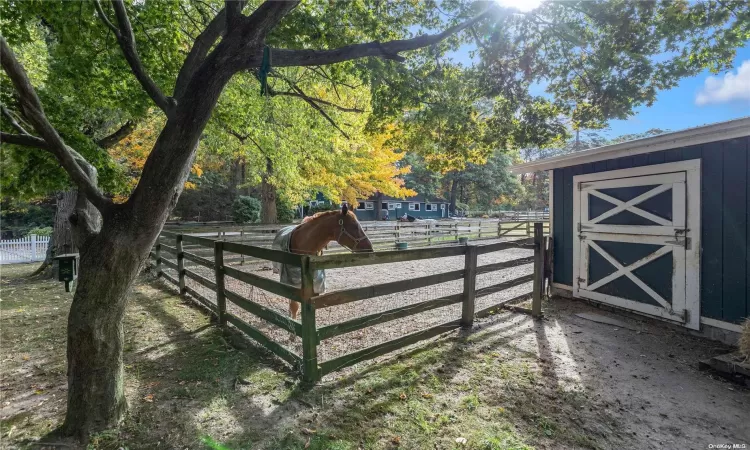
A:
(682, 241)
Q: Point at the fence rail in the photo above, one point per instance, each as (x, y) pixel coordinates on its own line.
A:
(311, 334)
(28, 249)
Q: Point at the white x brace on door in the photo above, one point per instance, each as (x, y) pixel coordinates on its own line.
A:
(635, 240)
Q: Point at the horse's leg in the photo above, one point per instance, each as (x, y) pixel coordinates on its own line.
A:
(293, 308)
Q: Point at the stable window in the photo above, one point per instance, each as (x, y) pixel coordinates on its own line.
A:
(392, 206)
(430, 207)
(413, 206)
(369, 205)
(384, 205)
(361, 205)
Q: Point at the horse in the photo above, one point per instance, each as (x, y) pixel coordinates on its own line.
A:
(310, 238)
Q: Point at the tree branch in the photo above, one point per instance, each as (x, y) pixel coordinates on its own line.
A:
(267, 16)
(26, 140)
(117, 136)
(234, 12)
(13, 121)
(71, 161)
(126, 40)
(387, 50)
(215, 29)
(302, 95)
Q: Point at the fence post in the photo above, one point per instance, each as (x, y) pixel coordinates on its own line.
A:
(180, 263)
(33, 247)
(221, 300)
(158, 259)
(309, 331)
(536, 301)
(242, 240)
(470, 282)
(528, 228)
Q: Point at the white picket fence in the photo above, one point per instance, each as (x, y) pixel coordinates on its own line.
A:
(27, 249)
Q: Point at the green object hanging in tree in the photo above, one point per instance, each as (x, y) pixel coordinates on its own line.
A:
(265, 67)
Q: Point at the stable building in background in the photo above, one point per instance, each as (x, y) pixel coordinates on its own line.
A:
(418, 206)
(658, 226)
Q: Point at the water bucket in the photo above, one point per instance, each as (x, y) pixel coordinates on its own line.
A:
(463, 240)
(402, 245)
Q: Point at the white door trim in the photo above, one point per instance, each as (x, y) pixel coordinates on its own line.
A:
(692, 170)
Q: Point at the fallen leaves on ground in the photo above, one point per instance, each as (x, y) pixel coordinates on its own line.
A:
(149, 398)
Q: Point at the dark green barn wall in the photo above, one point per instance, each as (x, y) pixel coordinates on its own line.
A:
(725, 220)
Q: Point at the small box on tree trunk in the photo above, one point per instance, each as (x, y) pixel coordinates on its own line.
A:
(68, 268)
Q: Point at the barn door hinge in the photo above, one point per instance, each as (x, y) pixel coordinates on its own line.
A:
(684, 242)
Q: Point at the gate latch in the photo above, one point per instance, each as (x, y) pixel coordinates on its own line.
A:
(685, 242)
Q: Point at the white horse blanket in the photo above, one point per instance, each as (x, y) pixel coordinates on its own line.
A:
(290, 274)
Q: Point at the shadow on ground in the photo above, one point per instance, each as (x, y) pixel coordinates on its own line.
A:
(510, 382)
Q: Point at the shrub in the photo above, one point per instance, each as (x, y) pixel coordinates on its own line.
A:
(40, 231)
(284, 212)
(246, 209)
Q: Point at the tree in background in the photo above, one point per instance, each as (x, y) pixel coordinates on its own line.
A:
(600, 57)
(535, 186)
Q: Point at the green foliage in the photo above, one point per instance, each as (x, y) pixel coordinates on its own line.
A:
(19, 218)
(40, 231)
(246, 209)
(284, 212)
(210, 200)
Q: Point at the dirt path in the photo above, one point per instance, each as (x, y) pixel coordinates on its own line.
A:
(510, 383)
(347, 278)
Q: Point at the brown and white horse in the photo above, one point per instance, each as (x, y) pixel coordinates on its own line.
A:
(316, 232)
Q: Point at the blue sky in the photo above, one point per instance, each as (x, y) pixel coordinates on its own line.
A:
(683, 106)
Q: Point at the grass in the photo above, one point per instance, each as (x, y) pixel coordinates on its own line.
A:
(188, 387)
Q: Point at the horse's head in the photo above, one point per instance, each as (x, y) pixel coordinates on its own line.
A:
(351, 235)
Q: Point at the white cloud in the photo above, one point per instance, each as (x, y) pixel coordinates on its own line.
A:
(731, 87)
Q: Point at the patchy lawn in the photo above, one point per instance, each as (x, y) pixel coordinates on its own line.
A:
(509, 384)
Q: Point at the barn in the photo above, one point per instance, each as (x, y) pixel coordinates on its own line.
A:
(658, 226)
(419, 206)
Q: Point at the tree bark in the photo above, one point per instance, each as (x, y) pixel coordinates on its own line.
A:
(109, 263)
(454, 190)
(66, 203)
(378, 206)
(268, 212)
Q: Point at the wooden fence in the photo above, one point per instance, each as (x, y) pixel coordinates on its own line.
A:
(307, 329)
(384, 235)
(27, 249)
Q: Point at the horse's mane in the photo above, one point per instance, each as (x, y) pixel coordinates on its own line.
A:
(324, 213)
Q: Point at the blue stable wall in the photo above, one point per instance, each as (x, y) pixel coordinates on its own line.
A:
(725, 220)
(369, 214)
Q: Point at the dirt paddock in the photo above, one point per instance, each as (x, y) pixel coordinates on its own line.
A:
(510, 383)
(355, 277)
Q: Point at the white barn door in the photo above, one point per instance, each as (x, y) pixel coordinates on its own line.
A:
(635, 242)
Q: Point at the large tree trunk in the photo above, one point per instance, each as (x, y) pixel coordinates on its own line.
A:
(454, 190)
(66, 204)
(378, 206)
(61, 241)
(268, 197)
(109, 263)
